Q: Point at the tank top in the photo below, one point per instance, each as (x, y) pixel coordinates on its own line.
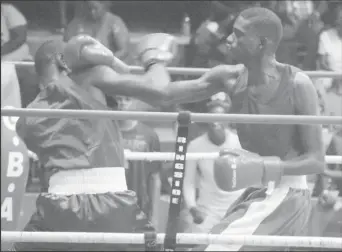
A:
(211, 198)
(72, 143)
(268, 139)
(279, 140)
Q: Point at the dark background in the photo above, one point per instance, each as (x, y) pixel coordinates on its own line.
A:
(164, 15)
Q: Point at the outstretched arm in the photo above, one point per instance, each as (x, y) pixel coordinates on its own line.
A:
(218, 79)
(312, 160)
(154, 86)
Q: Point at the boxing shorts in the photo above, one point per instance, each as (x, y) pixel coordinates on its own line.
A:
(112, 212)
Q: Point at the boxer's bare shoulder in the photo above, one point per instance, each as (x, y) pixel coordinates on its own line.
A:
(306, 103)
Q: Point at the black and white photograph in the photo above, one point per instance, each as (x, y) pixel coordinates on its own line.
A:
(171, 125)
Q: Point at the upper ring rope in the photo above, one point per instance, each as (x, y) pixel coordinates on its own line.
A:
(201, 71)
(164, 116)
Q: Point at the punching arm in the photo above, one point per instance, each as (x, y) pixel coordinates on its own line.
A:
(148, 88)
(218, 79)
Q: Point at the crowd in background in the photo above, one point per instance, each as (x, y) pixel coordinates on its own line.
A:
(312, 41)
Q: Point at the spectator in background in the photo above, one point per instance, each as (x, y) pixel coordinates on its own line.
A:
(15, 48)
(143, 177)
(13, 34)
(329, 59)
(203, 212)
(94, 18)
(301, 26)
(330, 92)
(206, 49)
(330, 50)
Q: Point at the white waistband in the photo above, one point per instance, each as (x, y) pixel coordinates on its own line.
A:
(296, 182)
(88, 181)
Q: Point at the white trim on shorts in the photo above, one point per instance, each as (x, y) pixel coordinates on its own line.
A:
(257, 212)
(88, 181)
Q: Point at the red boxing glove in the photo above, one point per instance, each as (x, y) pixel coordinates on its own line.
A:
(237, 169)
(83, 51)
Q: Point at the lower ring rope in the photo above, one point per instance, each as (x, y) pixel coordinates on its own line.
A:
(169, 156)
(129, 238)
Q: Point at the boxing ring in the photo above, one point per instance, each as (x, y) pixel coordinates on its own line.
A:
(184, 119)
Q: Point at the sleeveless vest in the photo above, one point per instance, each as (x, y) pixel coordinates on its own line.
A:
(268, 139)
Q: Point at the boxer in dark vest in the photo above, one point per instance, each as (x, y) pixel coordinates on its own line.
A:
(84, 158)
(281, 154)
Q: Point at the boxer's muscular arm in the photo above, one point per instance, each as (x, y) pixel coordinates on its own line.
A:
(154, 86)
(149, 88)
(306, 102)
(218, 79)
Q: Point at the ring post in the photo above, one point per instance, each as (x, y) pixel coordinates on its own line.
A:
(184, 120)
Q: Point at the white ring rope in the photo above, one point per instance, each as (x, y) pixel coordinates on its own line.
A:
(129, 238)
(169, 156)
(166, 116)
(201, 71)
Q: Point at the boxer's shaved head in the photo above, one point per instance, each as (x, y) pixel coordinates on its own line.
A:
(264, 22)
(46, 54)
(256, 32)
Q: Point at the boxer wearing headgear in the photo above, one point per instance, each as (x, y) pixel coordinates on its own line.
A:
(84, 158)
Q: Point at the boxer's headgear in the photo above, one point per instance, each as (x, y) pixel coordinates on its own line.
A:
(49, 51)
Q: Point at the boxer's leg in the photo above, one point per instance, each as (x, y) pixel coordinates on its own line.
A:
(284, 212)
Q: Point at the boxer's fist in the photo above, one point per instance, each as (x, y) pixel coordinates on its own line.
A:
(237, 169)
(197, 215)
(83, 51)
(154, 48)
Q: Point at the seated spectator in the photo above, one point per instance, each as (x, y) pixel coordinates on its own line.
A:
(301, 26)
(206, 49)
(13, 34)
(15, 48)
(143, 177)
(94, 18)
(208, 207)
(329, 59)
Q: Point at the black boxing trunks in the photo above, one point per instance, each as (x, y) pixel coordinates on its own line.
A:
(106, 208)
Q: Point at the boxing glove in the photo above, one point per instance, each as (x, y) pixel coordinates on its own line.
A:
(237, 169)
(83, 51)
(156, 48)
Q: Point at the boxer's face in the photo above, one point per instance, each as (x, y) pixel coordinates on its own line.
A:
(243, 42)
(124, 103)
(96, 9)
(216, 126)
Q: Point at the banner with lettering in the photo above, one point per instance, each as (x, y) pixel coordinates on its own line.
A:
(14, 158)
